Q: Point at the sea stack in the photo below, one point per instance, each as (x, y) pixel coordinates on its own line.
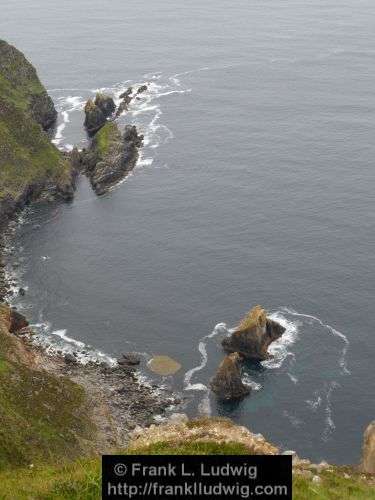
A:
(227, 383)
(253, 335)
(112, 155)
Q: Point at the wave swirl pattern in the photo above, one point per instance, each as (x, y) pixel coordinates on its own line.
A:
(309, 363)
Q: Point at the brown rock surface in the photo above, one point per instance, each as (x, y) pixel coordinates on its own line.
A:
(253, 335)
(227, 383)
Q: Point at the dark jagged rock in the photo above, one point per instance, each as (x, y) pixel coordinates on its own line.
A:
(43, 110)
(19, 83)
(94, 117)
(253, 335)
(124, 104)
(127, 93)
(112, 156)
(127, 97)
(70, 358)
(106, 104)
(130, 359)
(17, 321)
(227, 383)
(142, 89)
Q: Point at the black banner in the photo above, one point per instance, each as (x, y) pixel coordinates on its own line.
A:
(197, 477)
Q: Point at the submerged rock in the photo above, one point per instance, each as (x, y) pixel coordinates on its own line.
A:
(253, 335)
(106, 104)
(164, 365)
(94, 117)
(227, 383)
(368, 451)
(112, 156)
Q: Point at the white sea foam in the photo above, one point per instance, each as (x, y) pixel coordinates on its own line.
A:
(144, 110)
(280, 348)
(333, 331)
(58, 342)
(293, 378)
(62, 334)
(65, 106)
(251, 383)
(219, 328)
(314, 403)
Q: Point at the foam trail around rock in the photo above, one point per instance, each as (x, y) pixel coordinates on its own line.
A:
(336, 333)
(280, 348)
(188, 386)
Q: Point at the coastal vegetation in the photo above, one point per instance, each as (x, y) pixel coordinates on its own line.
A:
(30, 165)
(50, 442)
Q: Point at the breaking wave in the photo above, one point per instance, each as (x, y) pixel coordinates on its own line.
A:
(57, 342)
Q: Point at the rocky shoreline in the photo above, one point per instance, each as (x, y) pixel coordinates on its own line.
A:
(118, 399)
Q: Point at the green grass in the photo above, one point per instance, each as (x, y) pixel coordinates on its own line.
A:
(27, 157)
(43, 417)
(334, 486)
(81, 479)
(105, 137)
(19, 82)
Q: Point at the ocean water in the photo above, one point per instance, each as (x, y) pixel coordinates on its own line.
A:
(256, 185)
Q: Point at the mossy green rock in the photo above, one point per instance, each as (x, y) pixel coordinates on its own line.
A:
(112, 156)
(20, 85)
(31, 167)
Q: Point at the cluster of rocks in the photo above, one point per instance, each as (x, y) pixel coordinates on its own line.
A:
(128, 402)
(103, 107)
(97, 112)
(112, 154)
(249, 341)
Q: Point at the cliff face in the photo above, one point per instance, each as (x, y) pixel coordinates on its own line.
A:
(20, 85)
(30, 166)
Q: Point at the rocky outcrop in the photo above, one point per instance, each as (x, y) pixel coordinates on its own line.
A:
(106, 104)
(253, 335)
(112, 156)
(129, 359)
(368, 451)
(142, 89)
(94, 117)
(97, 112)
(126, 98)
(19, 84)
(43, 110)
(227, 383)
(220, 431)
(17, 321)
